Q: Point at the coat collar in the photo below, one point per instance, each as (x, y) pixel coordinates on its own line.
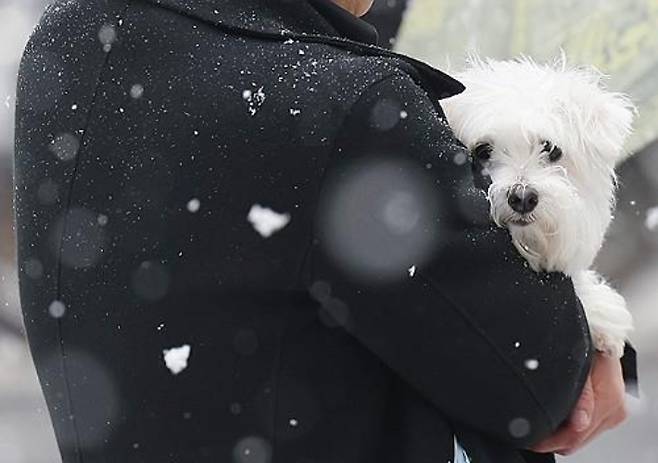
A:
(345, 23)
(281, 20)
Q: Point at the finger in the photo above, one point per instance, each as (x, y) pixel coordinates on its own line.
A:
(580, 441)
(577, 440)
(581, 417)
(603, 412)
(576, 428)
(562, 439)
(576, 445)
(568, 439)
(610, 421)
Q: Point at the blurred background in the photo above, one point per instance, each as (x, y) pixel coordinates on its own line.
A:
(620, 38)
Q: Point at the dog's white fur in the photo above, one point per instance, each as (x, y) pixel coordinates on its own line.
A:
(516, 106)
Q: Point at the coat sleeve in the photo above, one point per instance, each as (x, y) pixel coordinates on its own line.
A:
(629, 370)
(405, 258)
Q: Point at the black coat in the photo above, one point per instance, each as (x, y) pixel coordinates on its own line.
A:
(386, 316)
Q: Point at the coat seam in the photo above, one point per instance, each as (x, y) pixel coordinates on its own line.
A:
(65, 223)
(333, 153)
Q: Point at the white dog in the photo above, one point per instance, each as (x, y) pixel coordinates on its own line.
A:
(550, 137)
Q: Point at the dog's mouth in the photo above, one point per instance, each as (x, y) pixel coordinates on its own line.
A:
(521, 220)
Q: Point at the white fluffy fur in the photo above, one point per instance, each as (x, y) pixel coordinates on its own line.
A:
(516, 106)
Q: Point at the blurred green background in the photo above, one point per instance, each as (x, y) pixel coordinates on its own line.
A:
(619, 37)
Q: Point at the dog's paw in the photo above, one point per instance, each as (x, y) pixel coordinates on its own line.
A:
(608, 345)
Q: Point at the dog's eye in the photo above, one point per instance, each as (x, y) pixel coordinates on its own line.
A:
(482, 152)
(554, 152)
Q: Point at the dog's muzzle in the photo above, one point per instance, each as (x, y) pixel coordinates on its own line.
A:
(522, 198)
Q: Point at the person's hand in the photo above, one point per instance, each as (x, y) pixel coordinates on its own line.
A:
(600, 407)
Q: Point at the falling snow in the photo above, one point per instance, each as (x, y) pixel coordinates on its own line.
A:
(252, 449)
(266, 221)
(254, 99)
(519, 428)
(107, 35)
(65, 146)
(152, 279)
(532, 364)
(33, 268)
(136, 91)
(460, 158)
(57, 309)
(193, 205)
(651, 221)
(176, 358)
(235, 408)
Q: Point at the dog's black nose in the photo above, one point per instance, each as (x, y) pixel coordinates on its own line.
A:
(522, 199)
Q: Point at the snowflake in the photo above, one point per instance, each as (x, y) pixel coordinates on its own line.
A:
(57, 309)
(460, 158)
(254, 99)
(176, 358)
(651, 222)
(532, 364)
(136, 91)
(193, 205)
(266, 221)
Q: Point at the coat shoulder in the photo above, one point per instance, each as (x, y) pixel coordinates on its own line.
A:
(346, 80)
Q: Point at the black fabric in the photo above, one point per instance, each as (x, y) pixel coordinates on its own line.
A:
(408, 333)
(279, 20)
(629, 369)
(146, 132)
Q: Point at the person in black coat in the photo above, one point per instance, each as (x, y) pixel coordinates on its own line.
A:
(245, 233)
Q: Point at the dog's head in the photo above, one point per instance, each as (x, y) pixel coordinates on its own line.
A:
(549, 137)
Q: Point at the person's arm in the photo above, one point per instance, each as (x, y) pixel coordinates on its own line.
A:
(481, 336)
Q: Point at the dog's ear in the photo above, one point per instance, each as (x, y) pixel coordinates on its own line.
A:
(610, 125)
